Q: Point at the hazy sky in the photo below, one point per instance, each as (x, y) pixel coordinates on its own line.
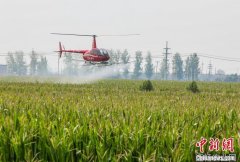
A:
(209, 27)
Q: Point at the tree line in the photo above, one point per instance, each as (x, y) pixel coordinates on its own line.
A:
(143, 67)
(181, 70)
(16, 64)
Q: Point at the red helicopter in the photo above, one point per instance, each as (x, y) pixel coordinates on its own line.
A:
(94, 55)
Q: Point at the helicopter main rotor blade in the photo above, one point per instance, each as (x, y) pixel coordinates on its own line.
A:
(121, 35)
(93, 35)
(87, 35)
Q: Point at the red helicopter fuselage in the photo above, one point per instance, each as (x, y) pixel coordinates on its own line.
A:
(95, 55)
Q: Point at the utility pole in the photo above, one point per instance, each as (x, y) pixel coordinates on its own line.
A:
(166, 53)
(210, 68)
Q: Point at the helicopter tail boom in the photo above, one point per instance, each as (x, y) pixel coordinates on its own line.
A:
(62, 49)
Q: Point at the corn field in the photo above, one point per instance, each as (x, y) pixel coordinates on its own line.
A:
(112, 120)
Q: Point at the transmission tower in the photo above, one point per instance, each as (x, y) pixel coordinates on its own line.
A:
(166, 53)
(210, 68)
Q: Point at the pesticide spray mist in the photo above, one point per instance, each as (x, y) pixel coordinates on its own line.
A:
(90, 74)
(85, 74)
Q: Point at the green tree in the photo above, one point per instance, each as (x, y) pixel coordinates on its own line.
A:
(146, 86)
(33, 63)
(137, 66)
(75, 64)
(114, 56)
(117, 56)
(71, 66)
(177, 67)
(192, 67)
(11, 64)
(111, 55)
(164, 69)
(20, 63)
(125, 58)
(42, 68)
(68, 70)
(117, 61)
(187, 69)
(193, 87)
(232, 78)
(149, 66)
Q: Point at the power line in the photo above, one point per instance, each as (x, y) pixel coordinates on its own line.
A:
(28, 53)
(214, 57)
(218, 58)
(232, 58)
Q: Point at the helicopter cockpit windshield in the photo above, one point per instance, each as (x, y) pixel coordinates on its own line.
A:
(104, 52)
(101, 52)
(95, 52)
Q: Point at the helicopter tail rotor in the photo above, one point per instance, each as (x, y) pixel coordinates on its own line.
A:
(60, 50)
